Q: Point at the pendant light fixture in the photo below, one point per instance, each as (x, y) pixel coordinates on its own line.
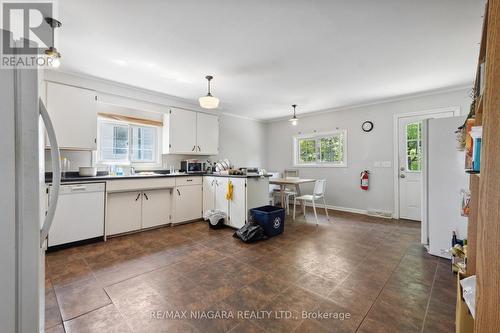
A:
(53, 56)
(294, 119)
(209, 101)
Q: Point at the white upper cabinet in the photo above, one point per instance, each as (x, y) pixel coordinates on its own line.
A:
(189, 132)
(74, 116)
(207, 134)
(179, 132)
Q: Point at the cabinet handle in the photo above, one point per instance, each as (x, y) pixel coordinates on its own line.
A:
(189, 180)
(178, 192)
(78, 188)
(213, 180)
(199, 149)
(194, 147)
(138, 196)
(145, 195)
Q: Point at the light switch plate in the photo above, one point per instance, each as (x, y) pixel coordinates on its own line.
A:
(386, 164)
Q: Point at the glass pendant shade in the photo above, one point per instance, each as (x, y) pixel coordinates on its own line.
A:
(209, 102)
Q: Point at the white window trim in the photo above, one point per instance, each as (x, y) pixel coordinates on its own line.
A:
(156, 163)
(316, 164)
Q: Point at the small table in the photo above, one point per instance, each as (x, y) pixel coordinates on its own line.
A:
(282, 182)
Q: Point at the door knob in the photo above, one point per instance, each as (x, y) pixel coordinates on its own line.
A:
(402, 168)
(402, 175)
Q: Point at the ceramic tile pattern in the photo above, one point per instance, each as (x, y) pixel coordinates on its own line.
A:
(367, 274)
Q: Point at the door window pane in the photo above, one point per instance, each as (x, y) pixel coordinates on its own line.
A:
(414, 147)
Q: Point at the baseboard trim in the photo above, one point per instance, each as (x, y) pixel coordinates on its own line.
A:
(348, 210)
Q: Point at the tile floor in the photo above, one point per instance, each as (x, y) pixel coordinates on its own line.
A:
(367, 274)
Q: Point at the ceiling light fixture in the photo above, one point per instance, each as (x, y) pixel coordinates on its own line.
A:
(53, 56)
(294, 119)
(209, 101)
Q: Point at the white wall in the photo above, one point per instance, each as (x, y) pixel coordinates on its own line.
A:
(241, 140)
(363, 148)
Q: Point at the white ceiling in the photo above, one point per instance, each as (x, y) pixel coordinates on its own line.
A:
(267, 55)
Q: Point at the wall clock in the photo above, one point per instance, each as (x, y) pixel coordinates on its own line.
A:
(367, 126)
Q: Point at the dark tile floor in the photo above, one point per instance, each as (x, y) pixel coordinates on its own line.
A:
(352, 274)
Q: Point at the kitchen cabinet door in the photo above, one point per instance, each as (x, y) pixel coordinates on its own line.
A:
(188, 203)
(237, 206)
(74, 116)
(156, 207)
(179, 132)
(208, 193)
(207, 134)
(123, 212)
(221, 202)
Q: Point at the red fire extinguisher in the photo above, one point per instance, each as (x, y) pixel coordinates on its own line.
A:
(364, 180)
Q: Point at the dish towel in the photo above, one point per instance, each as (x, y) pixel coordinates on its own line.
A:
(229, 194)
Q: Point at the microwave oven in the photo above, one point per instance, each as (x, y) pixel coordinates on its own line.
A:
(193, 166)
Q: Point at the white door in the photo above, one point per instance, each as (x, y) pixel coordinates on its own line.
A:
(156, 207)
(411, 161)
(182, 131)
(188, 203)
(74, 116)
(410, 168)
(208, 193)
(220, 194)
(123, 212)
(207, 130)
(237, 206)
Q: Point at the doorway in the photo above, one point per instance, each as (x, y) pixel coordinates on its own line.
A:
(410, 161)
(410, 168)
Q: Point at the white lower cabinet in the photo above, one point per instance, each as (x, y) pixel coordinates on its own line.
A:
(135, 210)
(188, 203)
(208, 193)
(123, 212)
(237, 206)
(247, 193)
(156, 207)
(221, 202)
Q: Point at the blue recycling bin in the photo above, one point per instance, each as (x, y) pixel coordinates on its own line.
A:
(270, 218)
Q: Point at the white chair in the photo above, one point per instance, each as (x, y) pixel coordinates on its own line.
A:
(273, 189)
(290, 191)
(318, 193)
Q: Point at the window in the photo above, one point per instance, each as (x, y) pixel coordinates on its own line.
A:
(414, 147)
(321, 149)
(123, 143)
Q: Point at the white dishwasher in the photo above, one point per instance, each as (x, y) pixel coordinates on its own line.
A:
(79, 214)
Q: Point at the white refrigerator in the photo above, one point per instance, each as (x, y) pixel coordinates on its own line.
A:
(446, 179)
(25, 216)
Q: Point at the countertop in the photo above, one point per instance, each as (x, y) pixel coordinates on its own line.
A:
(73, 177)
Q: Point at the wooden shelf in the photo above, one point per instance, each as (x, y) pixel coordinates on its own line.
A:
(479, 111)
(483, 234)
